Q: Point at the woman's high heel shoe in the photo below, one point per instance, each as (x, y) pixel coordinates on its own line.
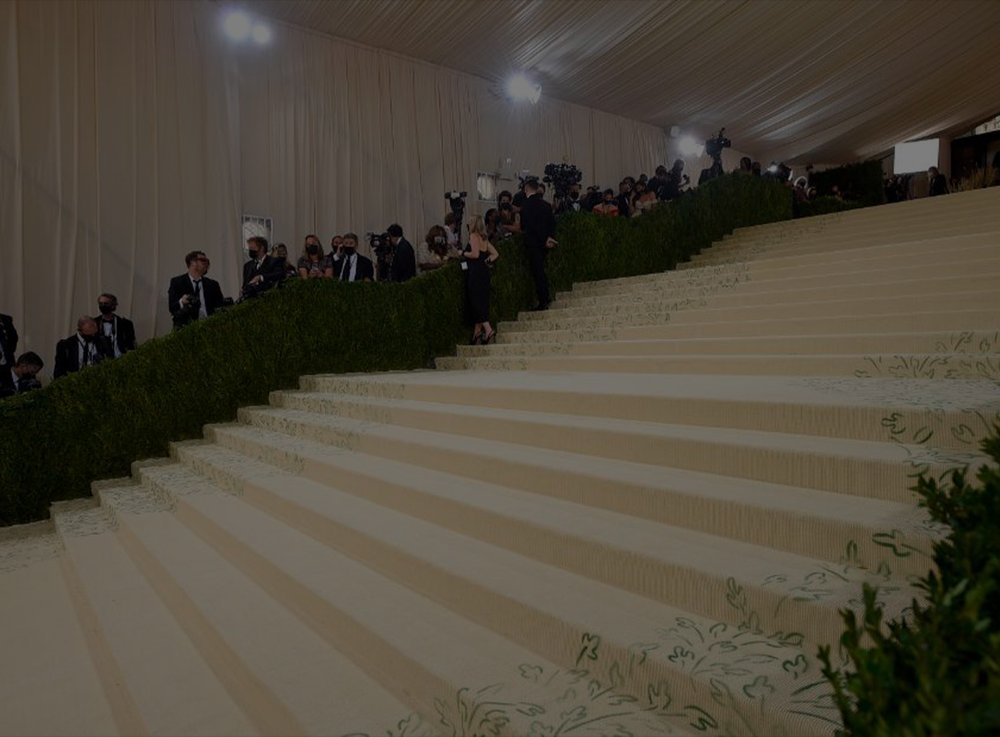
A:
(489, 338)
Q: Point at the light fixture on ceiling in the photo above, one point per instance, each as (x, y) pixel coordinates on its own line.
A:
(237, 25)
(675, 131)
(688, 146)
(519, 87)
(240, 27)
(261, 34)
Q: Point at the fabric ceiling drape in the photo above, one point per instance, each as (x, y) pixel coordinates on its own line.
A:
(131, 133)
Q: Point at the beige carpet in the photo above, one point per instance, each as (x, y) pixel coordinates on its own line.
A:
(636, 514)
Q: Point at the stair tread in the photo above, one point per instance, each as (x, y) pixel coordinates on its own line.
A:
(420, 628)
(45, 651)
(180, 695)
(586, 605)
(306, 676)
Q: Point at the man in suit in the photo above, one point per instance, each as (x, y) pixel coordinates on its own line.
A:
(86, 347)
(8, 341)
(193, 296)
(352, 266)
(261, 272)
(119, 331)
(404, 260)
(22, 377)
(538, 225)
(937, 183)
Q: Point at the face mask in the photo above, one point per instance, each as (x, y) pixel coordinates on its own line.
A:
(88, 338)
(252, 255)
(349, 250)
(105, 308)
(312, 250)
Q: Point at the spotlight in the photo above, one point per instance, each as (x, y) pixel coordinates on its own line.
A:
(519, 87)
(237, 25)
(688, 146)
(261, 34)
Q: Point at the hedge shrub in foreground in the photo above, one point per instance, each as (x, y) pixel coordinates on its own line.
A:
(861, 182)
(93, 424)
(937, 672)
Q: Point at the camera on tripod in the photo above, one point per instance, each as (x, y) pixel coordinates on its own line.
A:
(714, 147)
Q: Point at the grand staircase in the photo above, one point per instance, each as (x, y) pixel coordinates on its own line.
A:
(637, 514)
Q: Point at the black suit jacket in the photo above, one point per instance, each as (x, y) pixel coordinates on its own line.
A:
(68, 354)
(364, 270)
(8, 339)
(181, 285)
(404, 261)
(537, 221)
(271, 269)
(124, 333)
(7, 386)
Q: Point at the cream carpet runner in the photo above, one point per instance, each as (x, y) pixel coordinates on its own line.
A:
(637, 514)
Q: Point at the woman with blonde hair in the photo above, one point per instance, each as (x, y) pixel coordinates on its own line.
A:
(477, 256)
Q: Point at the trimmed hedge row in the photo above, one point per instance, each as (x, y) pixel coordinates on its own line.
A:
(824, 206)
(93, 424)
(938, 671)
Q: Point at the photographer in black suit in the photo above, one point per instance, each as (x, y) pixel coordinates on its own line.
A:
(538, 225)
(261, 272)
(119, 331)
(8, 341)
(22, 377)
(404, 260)
(351, 265)
(86, 347)
(193, 296)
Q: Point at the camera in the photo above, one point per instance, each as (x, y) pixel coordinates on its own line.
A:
(713, 147)
(28, 383)
(194, 304)
(457, 201)
(383, 252)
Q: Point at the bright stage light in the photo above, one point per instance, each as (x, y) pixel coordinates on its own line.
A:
(237, 25)
(261, 34)
(520, 87)
(690, 147)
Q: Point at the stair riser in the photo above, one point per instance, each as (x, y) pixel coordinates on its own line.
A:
(907, 274)
(780, 529)
(845, 475)
(529, 627)
(855, 423)
(882, 344)
(676, 586)
(851, 240)
(700, 314)
(926, 366)
(668, 300)
(979, 321)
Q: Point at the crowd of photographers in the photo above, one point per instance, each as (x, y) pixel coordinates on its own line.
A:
(193, 295)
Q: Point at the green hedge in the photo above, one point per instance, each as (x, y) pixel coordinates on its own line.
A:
(938, 671)
(861, 182)
(824, 206)
(93, 424)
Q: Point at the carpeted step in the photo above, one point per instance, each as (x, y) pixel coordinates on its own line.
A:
(46, 641)
(453, 624)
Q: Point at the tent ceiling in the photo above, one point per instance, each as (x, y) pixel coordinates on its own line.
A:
(820, 80)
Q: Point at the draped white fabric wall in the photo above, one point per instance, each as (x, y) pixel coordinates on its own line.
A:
(133, 132)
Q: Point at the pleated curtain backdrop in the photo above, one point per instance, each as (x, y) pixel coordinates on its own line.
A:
(133, 132)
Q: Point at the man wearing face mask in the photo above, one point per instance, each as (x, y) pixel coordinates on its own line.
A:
(404, 260)
(86, 347)
(352, 266)
(22, 377)
(119, 331)
(261, 272)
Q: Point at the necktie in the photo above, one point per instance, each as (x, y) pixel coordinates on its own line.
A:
(345, 271)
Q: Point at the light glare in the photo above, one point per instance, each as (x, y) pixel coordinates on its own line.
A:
(261, 34)
(237, 25)
(688, 146)
(519, 87)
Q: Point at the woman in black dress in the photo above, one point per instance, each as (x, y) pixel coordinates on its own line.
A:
(476, 257)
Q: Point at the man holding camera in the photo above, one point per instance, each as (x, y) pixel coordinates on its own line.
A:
(193, 296)
(119, 331)
(260, 272)
(22, 377)
(351, 265)
(404, 260)
(86, 347)
(538, 225)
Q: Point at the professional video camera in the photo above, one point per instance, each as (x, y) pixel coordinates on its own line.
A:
(457, 201)
(562, 177)
(713, 147)
(779, 171)
(383, 252)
